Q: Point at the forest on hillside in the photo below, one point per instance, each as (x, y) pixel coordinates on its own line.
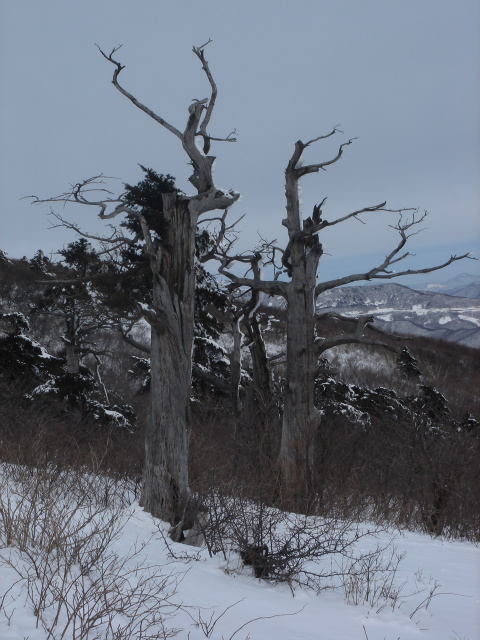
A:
(399, 437)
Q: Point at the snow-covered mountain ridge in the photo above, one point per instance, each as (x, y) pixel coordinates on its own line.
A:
(465, 285)
(392, 295)
(398, 309)
(401, 310)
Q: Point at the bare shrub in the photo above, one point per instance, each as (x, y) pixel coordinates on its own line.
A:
(33, 433)
(372, 580)
(312, 552)
(397, 460)
(57, 527)
(281, 546)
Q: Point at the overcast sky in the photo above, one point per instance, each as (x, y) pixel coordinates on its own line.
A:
(402, 77)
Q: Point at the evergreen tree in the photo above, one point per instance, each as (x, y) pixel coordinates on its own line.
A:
(71, 299)
(129, 284)
(46, 379)
(408, 364)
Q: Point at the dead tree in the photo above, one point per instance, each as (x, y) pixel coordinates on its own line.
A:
(295, 280)
(171, 313)
(261, 404)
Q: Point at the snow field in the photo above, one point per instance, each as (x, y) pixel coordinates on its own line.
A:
(214, 597)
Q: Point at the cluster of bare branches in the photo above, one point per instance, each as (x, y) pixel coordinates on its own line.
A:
(56, 528)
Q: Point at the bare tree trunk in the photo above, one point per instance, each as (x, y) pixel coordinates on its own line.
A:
(165, 480)
(266, 407)
(300, 417)
(171, 316)
(236, 367)
(72, 351)
(300, 261)
(262, 378)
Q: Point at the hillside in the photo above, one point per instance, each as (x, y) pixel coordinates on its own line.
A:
(465, 285)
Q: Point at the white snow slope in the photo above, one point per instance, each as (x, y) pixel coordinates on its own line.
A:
(209, 587)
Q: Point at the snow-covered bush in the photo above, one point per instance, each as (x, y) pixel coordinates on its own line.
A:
(47, 380)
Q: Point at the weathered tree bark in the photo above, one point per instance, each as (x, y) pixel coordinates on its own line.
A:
(236, 366)
(172, 260)
(171, 314)
(300, 417)
(266, 416)
(165, 477)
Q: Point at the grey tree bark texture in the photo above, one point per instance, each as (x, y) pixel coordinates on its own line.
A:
(165, 476)
(165, 484)
(265, 401)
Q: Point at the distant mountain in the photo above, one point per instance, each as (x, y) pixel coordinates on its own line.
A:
(465, 285)
(470, 291)
(398, 309)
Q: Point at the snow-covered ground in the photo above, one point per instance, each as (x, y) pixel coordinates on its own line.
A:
(217, 601)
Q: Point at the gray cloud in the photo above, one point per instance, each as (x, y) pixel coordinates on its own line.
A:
(403, 77)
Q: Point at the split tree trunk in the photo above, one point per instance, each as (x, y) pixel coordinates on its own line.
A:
(300, 261)
(266, 405)
(171, 314)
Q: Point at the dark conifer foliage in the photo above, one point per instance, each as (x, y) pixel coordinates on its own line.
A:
(41, 264)
(129, 281)
(146, 198)
(140, 370)
(408, 364)
(71, 298)
(405, 454)
(21, 357)
(46, 380)
(134, 277)
(63, 295)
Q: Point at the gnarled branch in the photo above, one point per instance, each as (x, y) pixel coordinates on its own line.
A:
(118, 69)
(381, 271)
(355, 337)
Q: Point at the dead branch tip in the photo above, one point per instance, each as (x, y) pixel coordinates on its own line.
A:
(202, 46)
(110, 56)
